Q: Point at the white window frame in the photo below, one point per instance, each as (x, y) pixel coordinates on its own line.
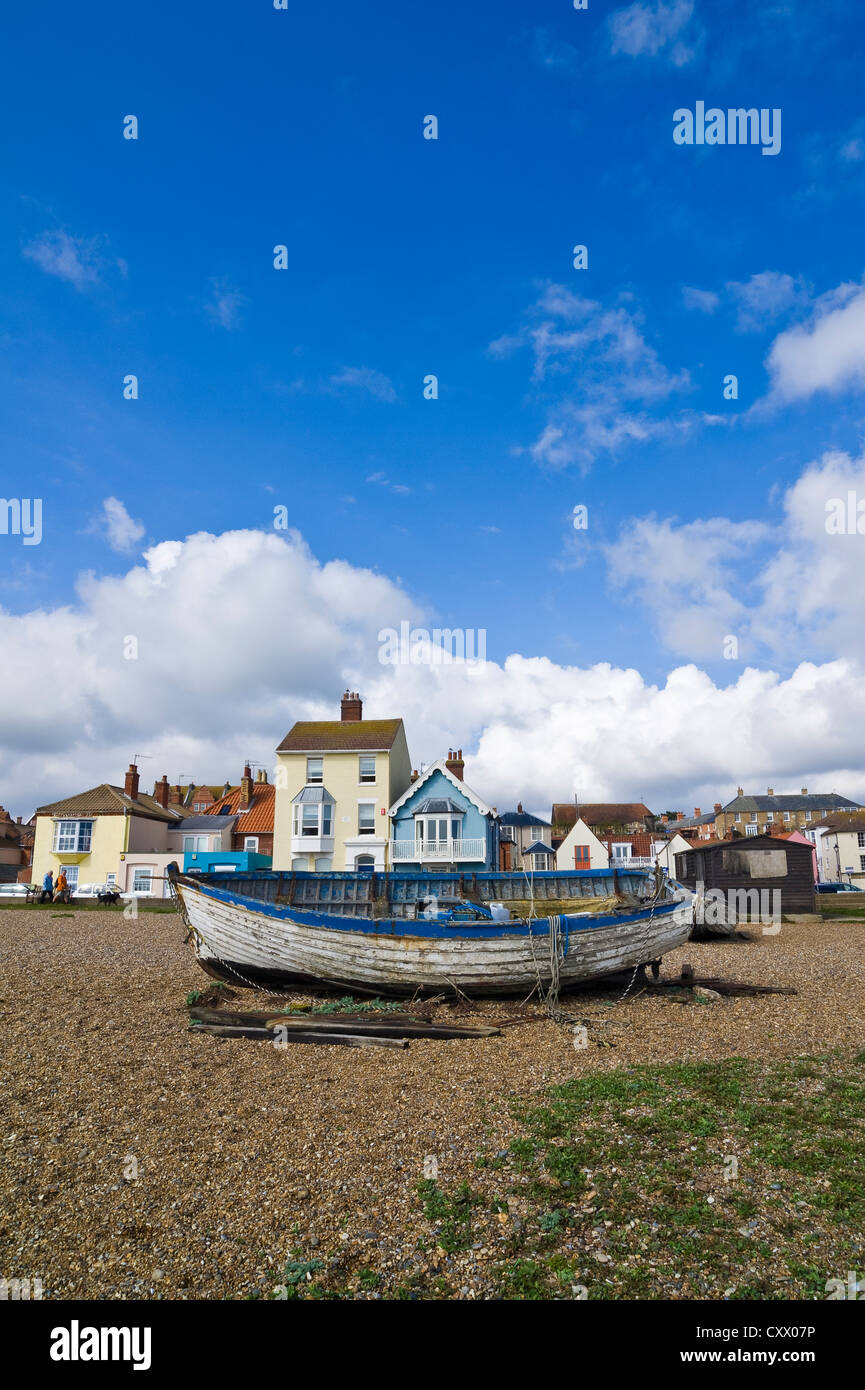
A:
(144, 870)
(301, 824)
(250, 844)
(738, 817)
(81, 840)
(860, 838)
(365, 806)
(786, 815)
(311, 779)
(71, 872)
(363, 779)
(752, 829)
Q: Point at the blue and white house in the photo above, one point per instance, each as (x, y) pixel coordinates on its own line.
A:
(439, 822)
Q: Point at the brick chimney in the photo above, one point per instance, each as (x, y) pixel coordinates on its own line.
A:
(160, 791)
(519, 808)
(804, 791)
(739, 791)
(130, 782)
(175, 796)
(246, 787)
(261, 775)
(414, 775)
(351, 709)
(717, 808)
(697, 811)
(770, 791)
(454, 763)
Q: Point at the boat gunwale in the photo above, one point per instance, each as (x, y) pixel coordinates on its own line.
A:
(421, 928)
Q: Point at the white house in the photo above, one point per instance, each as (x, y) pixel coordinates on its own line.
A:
(581, 849)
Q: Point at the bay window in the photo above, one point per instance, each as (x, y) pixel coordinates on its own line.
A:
(72, 836)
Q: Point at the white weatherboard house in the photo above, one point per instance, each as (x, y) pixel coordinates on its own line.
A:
(581, 849)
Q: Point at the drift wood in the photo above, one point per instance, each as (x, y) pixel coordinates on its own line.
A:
(387, 1026)
(294, 1035)
(688, 980)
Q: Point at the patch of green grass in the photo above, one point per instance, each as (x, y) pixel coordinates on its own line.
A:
(349, 1005)
(451, 1215)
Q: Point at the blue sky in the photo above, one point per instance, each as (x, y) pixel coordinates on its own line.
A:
(410, 256)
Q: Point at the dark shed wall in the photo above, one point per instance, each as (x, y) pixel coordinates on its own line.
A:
(763, 862)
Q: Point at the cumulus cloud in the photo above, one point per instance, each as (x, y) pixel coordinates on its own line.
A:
(240, 634)
(74, 259)
(792, 587)
(650, 30)
(597, 374)
(824, 354)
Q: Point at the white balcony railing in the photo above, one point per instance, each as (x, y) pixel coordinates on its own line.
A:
(437, 851)
(633, 863)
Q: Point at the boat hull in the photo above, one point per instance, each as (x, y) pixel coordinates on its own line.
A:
(247, 941)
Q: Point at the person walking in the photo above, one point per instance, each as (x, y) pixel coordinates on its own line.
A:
(47, 887)
(61, 889)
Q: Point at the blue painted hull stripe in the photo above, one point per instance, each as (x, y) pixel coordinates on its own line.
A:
(389, 926)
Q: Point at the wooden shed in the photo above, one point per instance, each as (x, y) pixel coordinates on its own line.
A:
(765, 863)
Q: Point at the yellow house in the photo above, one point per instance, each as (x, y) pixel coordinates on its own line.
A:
(92, 834)
(334, 783)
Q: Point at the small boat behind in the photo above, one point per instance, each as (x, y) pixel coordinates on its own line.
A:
(435, 933)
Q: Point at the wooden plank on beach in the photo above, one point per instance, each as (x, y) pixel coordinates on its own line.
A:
(384, 1025)
(295, 1036)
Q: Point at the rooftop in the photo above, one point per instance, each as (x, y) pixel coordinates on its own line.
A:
(341, 736)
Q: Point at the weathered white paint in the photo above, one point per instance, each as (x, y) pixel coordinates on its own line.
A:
(399, 962)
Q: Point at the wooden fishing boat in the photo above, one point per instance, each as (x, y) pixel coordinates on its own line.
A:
(246, 931)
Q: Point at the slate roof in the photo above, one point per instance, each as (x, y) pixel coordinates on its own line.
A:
(853, 822)
(599, 812)
(538, 847)
(523, 818)
(438, 806)
(341, 736)
(819, 801)
(313, 796)
(209, 823)
(108, 800)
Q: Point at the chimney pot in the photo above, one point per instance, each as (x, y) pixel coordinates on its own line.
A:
(414, 774)
(770, 791)
(519, 808)
(717, 808)
(739, 791)
(455, 764)
(804, 791)
(351, 708)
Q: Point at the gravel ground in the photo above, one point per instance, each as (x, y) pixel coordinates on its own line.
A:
(247, 1157)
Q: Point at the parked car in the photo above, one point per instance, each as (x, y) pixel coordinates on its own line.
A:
(839, 888)
(14, 890)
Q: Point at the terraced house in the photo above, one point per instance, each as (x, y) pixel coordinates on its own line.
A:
(108, 834)
(757, 815)
(335, 780)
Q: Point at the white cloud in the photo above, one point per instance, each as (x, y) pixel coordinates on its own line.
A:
(241, 634)
(789, 588)
(764, 297)
(365, 379)
(599, 377)
(122, 532)
(704, 300)
(646, 30)
(73, 259)
(224, 304)
(825, 354)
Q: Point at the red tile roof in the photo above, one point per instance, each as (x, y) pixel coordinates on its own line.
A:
(258, 819)
(600, 812)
